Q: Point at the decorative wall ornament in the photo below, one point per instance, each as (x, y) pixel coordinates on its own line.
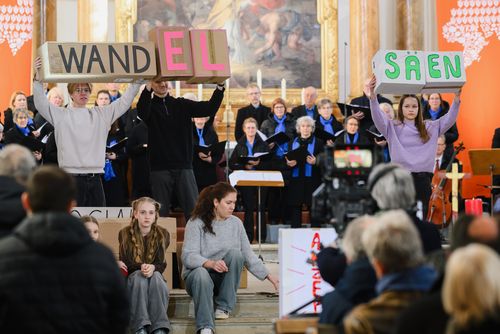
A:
(16, 24)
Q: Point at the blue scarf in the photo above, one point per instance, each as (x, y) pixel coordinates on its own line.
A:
(281, 149)
(310, 112)
(25, 131)
(434, 114)
(201, 141)
(281, 124)
(310, 149)
(109, 172)
(327, 124)
(348, 138)
(249, 148)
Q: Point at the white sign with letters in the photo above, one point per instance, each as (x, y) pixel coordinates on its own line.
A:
(301, 281)
(103, 212)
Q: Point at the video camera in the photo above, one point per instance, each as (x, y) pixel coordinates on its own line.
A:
(344, 194)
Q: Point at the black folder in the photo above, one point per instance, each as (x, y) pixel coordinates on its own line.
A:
(375, 136)
(244, 159)
(117, 146)
(214, 149)
(353, 108)
(279, 138)
(300, 154)
(324, 135)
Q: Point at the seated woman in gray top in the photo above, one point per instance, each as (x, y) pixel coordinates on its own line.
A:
(215, 249)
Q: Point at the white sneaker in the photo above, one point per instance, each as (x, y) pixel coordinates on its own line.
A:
(206, 331)
(221, 314)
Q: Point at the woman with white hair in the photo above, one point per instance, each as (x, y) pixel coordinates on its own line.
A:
(306, 176)
(471, 291)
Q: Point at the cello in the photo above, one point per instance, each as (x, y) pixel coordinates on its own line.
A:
(439, 212)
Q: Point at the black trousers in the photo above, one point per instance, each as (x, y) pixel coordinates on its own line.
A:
(182, 181)
(89, 190)
(422, 182)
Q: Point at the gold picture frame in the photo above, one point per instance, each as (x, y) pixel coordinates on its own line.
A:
(126, 16)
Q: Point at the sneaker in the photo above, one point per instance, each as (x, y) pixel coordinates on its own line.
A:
(221, 314)
(206, 331)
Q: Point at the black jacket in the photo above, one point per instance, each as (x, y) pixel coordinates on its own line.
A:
(260, 114)
(138, 136)
(300, 111)
(362, 139)
(56, 279)
(363, 100)
(8, 121)
(356, 286)
(11, 208)
(170, 129)
(268, 127)
(241, 150)
(205, 172)
(14, 136)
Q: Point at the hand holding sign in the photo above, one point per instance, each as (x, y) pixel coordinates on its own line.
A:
(369, 88)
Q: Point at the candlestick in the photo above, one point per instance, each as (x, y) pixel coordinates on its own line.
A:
(302, 99)
(200, 92)
(283, 89)
(177, 88)
(259, 79)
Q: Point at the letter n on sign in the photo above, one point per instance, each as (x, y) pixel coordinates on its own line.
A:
(210, 56)
(174, 52)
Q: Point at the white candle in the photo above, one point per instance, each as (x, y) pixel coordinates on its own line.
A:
(302, 96)
(177, 88)
(283, 89)
(200, 92)
(259, 79)
(227, 84)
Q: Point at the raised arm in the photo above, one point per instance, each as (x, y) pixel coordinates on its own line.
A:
(144, 103)
(42, 104)
(120, 106)
(379, 117)
(205, 108)
(447, 121)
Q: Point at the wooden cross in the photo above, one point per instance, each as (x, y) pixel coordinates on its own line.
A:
(454, 176)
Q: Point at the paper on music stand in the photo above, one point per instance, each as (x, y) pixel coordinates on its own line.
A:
(255, 176)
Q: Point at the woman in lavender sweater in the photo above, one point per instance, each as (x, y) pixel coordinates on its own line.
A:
(412, 141)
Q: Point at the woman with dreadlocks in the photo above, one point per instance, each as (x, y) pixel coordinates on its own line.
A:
(142, 250)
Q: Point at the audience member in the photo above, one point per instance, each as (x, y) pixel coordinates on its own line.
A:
(357, 284)
(170, 141)
(391, 186)
(55, 278)
(215, 250)
(471, 291)
(81, 133)
(412, 141)
(16, 165)
(255, 110)
(143, 245)
(395, 252)
(92, 225)
(309, 107)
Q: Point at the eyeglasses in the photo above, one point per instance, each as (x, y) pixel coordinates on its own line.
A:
(82, 90)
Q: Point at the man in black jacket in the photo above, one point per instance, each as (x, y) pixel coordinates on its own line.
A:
(309, 108)
(170, 142)
(55, 278)
(16, 165)
(255, 110)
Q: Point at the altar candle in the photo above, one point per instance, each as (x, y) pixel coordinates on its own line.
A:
(474, 206)
(177, 88)
(302, 96)
(259, 79)
(283, 89)
(200, 92)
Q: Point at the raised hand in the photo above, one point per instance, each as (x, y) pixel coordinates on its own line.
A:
(37, 65)
(369, 88)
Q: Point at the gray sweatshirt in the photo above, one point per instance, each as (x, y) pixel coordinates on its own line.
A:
(200, 246)
(81, 133)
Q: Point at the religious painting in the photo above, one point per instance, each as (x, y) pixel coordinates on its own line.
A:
(282, 38)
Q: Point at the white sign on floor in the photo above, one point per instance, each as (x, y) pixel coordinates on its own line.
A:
(301, 281)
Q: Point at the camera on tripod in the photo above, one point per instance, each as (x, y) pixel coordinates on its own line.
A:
(344, 194)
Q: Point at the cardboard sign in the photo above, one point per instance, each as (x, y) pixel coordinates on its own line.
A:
(412, 72)
(210, 56)
(103, 212)
(97, 62)
(300, 281)
(173, 46)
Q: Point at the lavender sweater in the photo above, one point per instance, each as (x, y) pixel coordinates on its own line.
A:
(405, 146)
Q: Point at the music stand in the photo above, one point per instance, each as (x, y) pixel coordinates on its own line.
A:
(486, 162)
(261, 178)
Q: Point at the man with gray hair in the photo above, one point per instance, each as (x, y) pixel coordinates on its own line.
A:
(309, 108)
(395, 252)
(357, 284)
(392, 188)
(16, 165)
